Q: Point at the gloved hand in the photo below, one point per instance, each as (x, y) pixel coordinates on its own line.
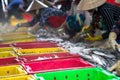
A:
(112, 40)
(87, 28)
(95, 38)
(82, 34)
(62, 33)
(78, 37)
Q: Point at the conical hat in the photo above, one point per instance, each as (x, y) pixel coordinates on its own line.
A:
(35, 4)
(89, 4)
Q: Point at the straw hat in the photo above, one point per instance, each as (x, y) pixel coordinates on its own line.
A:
(89, 4)
(36, 4)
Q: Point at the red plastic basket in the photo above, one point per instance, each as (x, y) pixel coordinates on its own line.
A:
(8, 61)
(57, 64)
(41, 57)
(36, 45)
(4, 45)
(113, 2)
(33, 42)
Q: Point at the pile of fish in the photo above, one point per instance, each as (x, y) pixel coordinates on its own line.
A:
(98, 56)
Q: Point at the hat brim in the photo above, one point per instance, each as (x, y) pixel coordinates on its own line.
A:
(83, 6)
(35, 5)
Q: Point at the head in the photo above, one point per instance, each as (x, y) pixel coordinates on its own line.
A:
(89, 4)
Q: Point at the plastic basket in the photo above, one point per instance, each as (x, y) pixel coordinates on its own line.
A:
(33, 42)
(78, 74)
(10, 38)
(4, 45)
(6, 49)
(26, 77)
(57, 64)
(14, 70)
(12, 34)
(7, 54)
(37, 45)
(40, 57)
(8, 61)
(21, 40)
(40, 51)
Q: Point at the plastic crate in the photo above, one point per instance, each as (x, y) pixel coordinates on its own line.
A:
(33, 42)
(42, 45)
(14, 70)
(14, 34)
(20, 37)
(57, 64)
(7, 54)
(6, 49)
(40, 51)
(78, 74)
(22, 40)
(26, 77)
(40, 57)
(4, 45)
(8, 61)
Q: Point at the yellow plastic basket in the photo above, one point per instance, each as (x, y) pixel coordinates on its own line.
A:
(26, 77)
(20, 40)
(21, 29)
(9, 71)
(6, 49)
(18, 37)
(7, 54)
(40, 51)
(14, 34)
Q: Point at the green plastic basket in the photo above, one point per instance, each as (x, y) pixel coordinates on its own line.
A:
(78, 74)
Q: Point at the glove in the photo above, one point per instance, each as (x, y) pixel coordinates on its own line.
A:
(87, 29)
(62, 33)
(112, 40)
(90, 38)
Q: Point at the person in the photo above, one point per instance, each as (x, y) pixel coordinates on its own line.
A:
(74, 22)
(105, 17)
(16, 8)
(41, 18)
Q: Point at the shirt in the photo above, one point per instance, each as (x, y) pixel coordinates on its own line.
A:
(110, 14)
(15, 4)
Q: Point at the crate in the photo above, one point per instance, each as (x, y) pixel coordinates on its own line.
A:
(7, 54)
(34, 51)
(13, 70)
(37, 45)
(6, 49)
(4, 45)
(26, 77)
(20, 40)
(41, 57)
(14, 34)
(33, 42)
(57, 64)
(78, 74)
(20, 37)
(8, 61)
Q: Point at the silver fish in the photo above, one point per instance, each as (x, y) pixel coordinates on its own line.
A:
(103, 54)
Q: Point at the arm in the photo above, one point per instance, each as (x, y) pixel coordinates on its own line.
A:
(108, 20)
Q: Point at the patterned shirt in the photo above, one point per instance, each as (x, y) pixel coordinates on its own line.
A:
(111, 15)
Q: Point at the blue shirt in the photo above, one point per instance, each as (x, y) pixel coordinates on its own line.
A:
(15, 4)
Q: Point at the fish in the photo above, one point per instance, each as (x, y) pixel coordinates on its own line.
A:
(103, 54)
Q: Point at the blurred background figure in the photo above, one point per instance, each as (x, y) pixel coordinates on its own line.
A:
(16, 8)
